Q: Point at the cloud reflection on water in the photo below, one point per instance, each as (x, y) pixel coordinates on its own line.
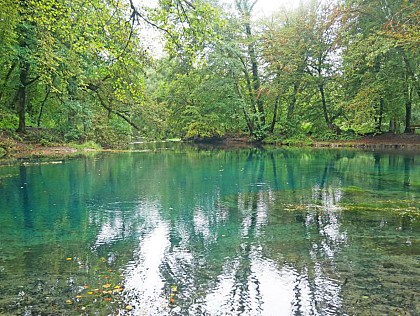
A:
(299, 232)
(243, 279)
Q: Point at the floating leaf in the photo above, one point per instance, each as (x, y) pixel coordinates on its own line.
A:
(129, 307)
(69, 259)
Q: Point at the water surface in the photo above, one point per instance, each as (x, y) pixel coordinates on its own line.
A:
(212, 232)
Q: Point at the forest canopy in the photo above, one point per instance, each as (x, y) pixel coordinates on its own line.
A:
(87, 70)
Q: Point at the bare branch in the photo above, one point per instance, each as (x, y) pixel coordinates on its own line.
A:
(136, 13)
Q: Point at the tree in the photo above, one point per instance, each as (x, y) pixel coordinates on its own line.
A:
(240, 46)
(303, 53)
(380, 65)
(77, 50)
(285, 49)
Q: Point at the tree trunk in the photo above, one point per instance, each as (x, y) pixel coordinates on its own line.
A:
(273, 122)
(24, 65)
(6, 79)
(255, 76)
(21, 96)
(392, 126)
(250, 64)
(42, 106)
(324, 104)
(379, 118)
(408, 98)
(246, 116)
(245, 8)
(291, 107)
(408, 108)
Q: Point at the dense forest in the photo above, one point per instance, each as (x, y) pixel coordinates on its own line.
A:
(78, 70)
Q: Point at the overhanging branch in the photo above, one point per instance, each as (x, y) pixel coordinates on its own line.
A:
(119, 114)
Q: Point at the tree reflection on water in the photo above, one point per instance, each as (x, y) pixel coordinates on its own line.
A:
(250, 232)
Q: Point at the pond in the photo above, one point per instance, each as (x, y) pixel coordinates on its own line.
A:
(192, 231)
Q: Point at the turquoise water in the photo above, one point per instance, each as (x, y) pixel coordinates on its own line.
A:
(212, 232)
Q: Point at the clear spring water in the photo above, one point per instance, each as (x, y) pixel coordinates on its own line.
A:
(212, 232)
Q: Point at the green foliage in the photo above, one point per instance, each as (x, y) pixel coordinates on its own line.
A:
(8, 120)
(298, 140)
(73, 56)
(6, 143)
(110, 132)
(87, 145)
(380, 71)
(75, 121)
(201, 130)
(200, 102)
(187, 27)
(45, 137)
(83, 69)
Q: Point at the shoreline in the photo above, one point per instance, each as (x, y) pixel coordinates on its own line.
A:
(17, 150)
(386, 141)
